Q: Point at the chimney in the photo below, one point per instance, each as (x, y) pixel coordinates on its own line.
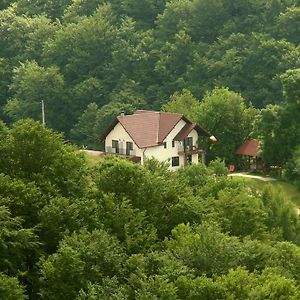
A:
(122, 113)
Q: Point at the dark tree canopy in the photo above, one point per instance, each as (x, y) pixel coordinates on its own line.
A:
(72, 229)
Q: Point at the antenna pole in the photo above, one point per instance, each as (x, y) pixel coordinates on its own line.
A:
(43, 113)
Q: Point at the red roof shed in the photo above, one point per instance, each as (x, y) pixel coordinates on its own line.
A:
(250, 148)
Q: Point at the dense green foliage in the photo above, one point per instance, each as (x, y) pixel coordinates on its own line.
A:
(90, 60)
(118, 230)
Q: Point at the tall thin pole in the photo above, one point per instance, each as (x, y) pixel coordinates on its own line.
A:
(43, 113)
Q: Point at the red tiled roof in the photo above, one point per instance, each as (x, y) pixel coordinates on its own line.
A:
(149, 128)
(184, 132)
(249, 147)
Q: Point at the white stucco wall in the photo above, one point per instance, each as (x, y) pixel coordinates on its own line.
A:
(162, 154)
(119, 133)
(166, 154)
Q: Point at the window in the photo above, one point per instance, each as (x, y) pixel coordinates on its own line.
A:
(115, 145)
(165, 145)
(175, 161)
(188, 143)
(173, 144)
(129, 147)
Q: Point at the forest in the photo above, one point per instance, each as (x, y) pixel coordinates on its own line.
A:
(119, 230)
(116, 230)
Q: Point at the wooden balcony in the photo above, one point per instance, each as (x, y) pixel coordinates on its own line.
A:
(189, 150)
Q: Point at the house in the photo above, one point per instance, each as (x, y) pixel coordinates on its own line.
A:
(165, 136)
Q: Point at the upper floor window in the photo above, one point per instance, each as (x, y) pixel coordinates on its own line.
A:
(165, 145)
(188, 143)
(173, 144)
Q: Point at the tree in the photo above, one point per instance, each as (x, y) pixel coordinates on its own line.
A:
(288, 24)
(207, 19)
(129, 224)
(131, 69)
(10, 288)
(241, 214)
(277, 126)
(284, 257)
(275, 286)
(84, 133)
(15, 243)
(5, 75)
(282, 216)
(90, 90)
(291, 86)
(52, 9)
(195, 175)
(63, 216)
(201, 287)
(220, 112)
(144, 11)
(204, 248)
(37, 154)
(23, 199)
(183, 103)
(173, 61)
(267, 128)
(80, 8)
(255, 61)
(22, 37)
(292, 170)
(240, 284)
(218, 167)
(83, 48)
(32, 84)
(82, 258)
(109, 289)
(174, 18)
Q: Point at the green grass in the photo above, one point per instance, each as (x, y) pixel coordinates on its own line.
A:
(289, 190)
(92, 160)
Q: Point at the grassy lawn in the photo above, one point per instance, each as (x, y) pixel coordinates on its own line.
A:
(290, 191)
(92, 159)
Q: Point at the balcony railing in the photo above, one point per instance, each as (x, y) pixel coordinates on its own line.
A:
(188, 149)
(120, 151)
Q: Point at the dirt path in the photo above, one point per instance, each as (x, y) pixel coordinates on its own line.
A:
(253, 176)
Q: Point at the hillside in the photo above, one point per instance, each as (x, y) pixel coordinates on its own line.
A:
(118, 230)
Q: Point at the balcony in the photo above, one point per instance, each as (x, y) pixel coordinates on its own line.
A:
(182, 150)
(120, 151)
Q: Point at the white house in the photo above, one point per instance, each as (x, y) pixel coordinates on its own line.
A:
(165, 136)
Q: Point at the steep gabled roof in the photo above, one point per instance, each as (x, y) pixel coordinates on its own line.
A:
(188, 127)
(150, 128)
(249, 147)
